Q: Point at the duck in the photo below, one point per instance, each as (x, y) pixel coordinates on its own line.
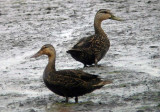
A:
(67, 83)
(90, 50)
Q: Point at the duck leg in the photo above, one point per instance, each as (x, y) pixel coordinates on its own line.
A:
(76, 99)
(66, 99)
(85, 65)
(96, 62)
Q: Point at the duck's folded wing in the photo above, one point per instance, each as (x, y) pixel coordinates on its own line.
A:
(78, 74)
(84, 43)
(67, 82)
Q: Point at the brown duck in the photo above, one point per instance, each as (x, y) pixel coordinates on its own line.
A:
(93, 48)
(67, 83)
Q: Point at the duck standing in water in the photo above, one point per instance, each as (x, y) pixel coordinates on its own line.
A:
(67, 83)
(92, 49)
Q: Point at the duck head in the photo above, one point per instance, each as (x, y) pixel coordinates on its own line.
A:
(47, 49)
(104, 14)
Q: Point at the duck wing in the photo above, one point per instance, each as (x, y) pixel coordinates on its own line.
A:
(85, 42)
(78, 74)
(66, 81)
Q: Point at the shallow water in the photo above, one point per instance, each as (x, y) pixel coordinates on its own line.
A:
(132, 62)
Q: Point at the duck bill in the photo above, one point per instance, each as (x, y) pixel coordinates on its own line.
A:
(116, 18)
(37, 54)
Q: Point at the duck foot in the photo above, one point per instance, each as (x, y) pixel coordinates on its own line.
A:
(85, 66)
(76, 99)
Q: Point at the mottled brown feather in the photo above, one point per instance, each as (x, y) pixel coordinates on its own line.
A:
(67, 83)
(92, 49)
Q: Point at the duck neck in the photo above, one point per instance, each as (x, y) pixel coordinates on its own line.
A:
(97, 27)
(51, 63)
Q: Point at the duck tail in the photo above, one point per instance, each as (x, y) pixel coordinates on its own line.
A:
(69, 51)
(102, 83)
(73, 51)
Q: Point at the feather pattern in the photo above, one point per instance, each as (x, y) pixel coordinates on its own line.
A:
(68, 83)
(90, 50)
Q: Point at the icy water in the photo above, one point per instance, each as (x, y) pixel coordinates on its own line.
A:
(132, 62)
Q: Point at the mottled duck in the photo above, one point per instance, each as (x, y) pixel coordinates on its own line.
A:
(67, 83)
(90, 50)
